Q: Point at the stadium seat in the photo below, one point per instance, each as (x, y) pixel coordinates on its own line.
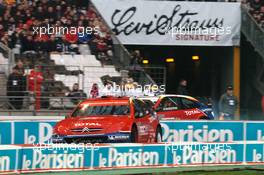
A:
(91, 67)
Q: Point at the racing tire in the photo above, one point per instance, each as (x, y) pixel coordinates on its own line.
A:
(134, 135)
(158, 136)
(204, 118)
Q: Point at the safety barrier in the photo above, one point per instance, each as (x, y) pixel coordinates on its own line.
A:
(195, 143)
(40, 130)
(21, 159)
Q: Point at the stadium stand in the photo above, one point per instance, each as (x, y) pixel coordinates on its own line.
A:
(61, 59)
(17, 24)
(92, 72)
(256, 9)
(65, 58)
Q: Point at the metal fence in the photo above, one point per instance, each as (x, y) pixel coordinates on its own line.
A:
(158, 74)
(253, 31)
(255, 34)
(122, 57)
(48, 88)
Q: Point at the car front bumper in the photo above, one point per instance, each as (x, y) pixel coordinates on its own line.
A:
(92, 138)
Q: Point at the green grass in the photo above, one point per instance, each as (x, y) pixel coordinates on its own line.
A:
(240, 172)
(237, 172)
(198, 170)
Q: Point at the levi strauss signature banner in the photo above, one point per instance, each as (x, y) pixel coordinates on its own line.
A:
(144, 22)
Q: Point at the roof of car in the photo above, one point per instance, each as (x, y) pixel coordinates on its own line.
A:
(167, 95)
(175, 95)
(107, 98)
(153, 99)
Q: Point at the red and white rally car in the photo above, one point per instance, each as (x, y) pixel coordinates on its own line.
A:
(179, 107)
(109, 119)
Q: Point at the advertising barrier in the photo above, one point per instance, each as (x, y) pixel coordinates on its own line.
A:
(33, 132)
(197, 143)
(255, 131)
(21, 159)
(25, 132)
(202, 131)
(9, 156)
(172, 22)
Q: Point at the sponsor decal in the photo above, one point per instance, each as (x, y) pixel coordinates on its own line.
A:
(172, 23)
(4, 163)
(255, 153)
(192, 112)
(5, 133)
(85, 129)
(255, 131)
(127, 156)
(87, 124)
(206, 154)
(51, 159)
(193, 134)
(32, 132)
(8, 158)
(170, 108)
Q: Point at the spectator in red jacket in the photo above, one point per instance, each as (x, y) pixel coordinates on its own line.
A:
(35, 79)
(94, 91)
(71, 38)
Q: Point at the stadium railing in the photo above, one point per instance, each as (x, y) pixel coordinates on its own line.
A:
(50, 95)
(253, 31)
(122, 57)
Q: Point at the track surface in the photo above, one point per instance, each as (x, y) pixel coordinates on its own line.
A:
(239, 172)
(207, 170)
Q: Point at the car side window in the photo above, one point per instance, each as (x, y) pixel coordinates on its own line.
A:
(139, 108)
(189, 104)
(169, 104)
(148, 107)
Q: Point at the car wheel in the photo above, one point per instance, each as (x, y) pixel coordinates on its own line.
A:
(134, 135)
(204, 118)
(158, 137)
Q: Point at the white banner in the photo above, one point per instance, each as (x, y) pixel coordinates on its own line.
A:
(142, 22)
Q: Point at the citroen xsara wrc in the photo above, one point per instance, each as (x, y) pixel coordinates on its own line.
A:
(179, 107)
(109, 119)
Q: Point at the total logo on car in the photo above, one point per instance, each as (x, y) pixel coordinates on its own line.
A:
(179, 107)
(109, 119)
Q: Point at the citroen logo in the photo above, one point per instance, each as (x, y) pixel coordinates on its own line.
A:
(85, 129)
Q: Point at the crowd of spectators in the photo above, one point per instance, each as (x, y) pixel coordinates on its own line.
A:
(256, 9)
(20, 25)
(20, 20)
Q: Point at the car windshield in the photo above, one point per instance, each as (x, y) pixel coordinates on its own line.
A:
(101, 110)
